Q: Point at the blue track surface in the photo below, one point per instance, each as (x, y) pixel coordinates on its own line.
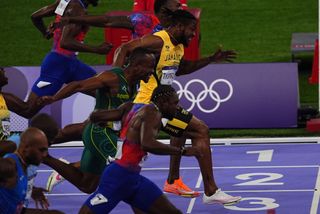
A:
(276, 178)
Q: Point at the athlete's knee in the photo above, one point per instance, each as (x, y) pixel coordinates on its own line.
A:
(177, 141)
(203, 129)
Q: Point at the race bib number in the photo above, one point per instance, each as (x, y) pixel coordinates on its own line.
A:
(119, 149)
(62, 7)
(168, 75)
(6, 127)
(116, 125)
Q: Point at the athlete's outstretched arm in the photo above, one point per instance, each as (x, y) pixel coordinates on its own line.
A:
(151, 42)
(102, 80)
(37, 18)
(104, 115)
(69, 33)
(99, 21)
(17, 105)
(187, 67)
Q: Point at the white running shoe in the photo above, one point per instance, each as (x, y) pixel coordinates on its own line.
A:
(55, 178)
(220, 197)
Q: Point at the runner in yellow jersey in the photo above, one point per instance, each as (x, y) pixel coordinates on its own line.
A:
(168, 45)
(9, 102)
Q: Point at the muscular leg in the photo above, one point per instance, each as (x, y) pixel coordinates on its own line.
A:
(198, 131)
(71, 132)
(175, 159)
(163, 205)
(86, 182)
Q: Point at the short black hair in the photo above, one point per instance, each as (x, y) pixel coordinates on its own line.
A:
(45, 123)
(179, 17)
(162, 91)
(158, 4)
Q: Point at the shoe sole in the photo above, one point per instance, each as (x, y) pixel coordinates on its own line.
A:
(184, 195)
(232, 203)
(225, 204)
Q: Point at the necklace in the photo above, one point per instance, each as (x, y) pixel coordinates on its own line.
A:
(155, 106)
(171, 36)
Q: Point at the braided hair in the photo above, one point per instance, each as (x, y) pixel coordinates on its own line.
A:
(162, 91)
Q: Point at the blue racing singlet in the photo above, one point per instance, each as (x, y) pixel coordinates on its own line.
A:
(12, 200)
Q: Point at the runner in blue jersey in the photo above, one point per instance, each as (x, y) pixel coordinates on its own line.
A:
(14, 174)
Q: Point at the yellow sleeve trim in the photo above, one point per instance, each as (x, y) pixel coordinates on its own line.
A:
(178, 123)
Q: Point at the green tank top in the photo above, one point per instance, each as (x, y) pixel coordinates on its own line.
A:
(106, 100)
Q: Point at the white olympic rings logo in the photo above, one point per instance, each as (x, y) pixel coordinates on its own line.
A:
(197, 99)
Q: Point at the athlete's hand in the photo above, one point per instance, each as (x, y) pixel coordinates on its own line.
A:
(45, 100)
(95, 117)
(39, 197)
(221, 56)
(193, 151)
(50, 30)
(104, 48)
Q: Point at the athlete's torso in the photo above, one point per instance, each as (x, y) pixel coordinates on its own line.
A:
(58, 34)
(167, 67)
(130, 153)
(107, 100)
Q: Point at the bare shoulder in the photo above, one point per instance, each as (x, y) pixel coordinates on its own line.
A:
(152, 41)
(150, 112)
(108, 75)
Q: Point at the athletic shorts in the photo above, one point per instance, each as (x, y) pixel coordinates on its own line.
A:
(99, 145)
(119, 184)
(56, 70)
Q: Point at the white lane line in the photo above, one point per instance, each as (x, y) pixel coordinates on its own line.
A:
(227, 141)
(193, 200)
(67, 194)
(234, 167)
(221, 167)
(236, 191)
(316, 195)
